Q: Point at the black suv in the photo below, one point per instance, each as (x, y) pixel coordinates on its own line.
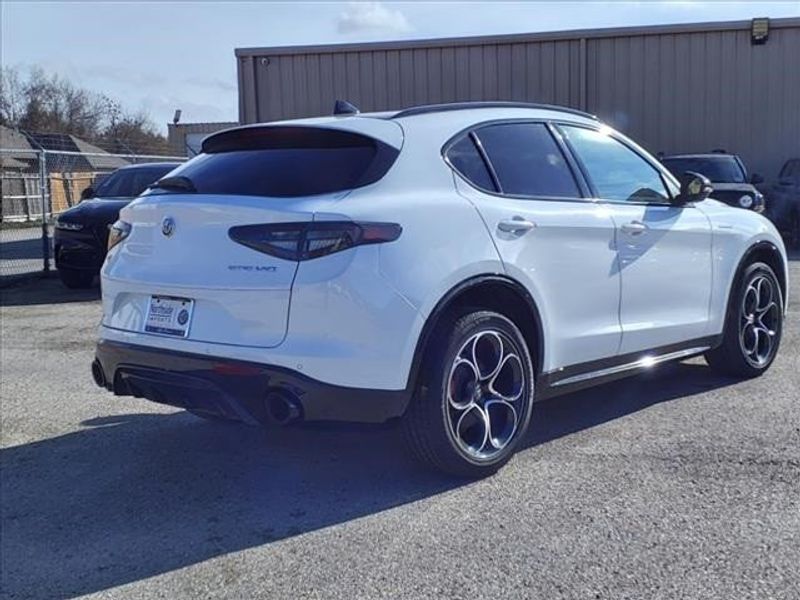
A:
(784, 202)
(726, 173)
(81, 233)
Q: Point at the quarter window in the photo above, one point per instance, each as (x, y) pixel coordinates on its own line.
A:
(466, 159)
(527, 160)
(617, 172)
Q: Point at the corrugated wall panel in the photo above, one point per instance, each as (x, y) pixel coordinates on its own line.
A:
(697, 92)
(289, 86)
(674, 89)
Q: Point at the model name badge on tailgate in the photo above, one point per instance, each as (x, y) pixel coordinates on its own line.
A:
(252, 268)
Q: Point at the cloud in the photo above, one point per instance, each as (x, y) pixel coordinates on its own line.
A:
(141, 79)
(161, 107)
(212, 83)
(371, 16)
(121, 75)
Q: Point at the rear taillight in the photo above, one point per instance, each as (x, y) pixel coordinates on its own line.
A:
(304, 241)
(117, 233)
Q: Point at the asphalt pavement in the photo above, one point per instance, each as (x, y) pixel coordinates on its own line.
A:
(674, 484)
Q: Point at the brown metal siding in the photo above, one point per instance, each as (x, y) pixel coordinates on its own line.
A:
(177, 133)
(700, 91)
(672, 88)
(286, 86)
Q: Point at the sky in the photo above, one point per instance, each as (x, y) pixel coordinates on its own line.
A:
(159, 56)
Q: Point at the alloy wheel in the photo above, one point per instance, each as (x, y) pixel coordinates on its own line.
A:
(486, 392)
(760, 320)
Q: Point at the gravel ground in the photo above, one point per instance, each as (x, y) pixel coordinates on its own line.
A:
(677, 484)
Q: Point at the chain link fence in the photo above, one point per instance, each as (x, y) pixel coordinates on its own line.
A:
(38, 185)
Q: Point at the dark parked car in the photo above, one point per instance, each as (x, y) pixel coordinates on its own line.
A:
(727, 174)
(81, 233)
(783, 198)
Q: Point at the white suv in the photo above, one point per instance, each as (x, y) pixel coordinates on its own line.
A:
(450, 265)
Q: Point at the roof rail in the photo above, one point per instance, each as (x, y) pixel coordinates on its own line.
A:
(434, 108)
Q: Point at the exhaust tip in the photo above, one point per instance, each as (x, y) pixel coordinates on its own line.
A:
(98, 374)
(282, 407)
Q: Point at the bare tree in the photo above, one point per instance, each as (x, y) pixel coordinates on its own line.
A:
(12, 97)
(36, 101)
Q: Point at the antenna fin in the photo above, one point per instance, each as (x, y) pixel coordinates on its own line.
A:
(343, 107)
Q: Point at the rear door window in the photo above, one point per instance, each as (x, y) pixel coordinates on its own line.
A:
(286, 161)
(528, 161)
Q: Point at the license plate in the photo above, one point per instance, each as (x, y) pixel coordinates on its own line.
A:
(168, 315)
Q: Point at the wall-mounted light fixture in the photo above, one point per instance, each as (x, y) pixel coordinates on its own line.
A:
(759, 31)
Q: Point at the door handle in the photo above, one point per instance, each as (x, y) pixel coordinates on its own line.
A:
(515, 225)
(634, 228)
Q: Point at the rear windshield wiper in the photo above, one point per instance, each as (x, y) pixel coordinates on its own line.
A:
(178, 182)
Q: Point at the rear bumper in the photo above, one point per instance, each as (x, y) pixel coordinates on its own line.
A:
(235, 389)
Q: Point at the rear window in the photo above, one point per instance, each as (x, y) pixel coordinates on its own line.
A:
(282, 161)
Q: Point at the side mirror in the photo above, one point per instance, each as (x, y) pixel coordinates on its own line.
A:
(756, 179)
(694, 188)
(87, 193)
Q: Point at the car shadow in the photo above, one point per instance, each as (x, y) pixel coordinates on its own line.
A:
(132, 496)
(32, 291)
(562, 416)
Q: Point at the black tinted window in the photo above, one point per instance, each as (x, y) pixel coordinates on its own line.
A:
(130, 182)
(466, 159)
(527, 160)
(617, 172)
(719, 169)
(286, 161)
(791, 169)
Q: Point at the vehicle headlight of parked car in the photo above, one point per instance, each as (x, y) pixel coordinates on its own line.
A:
(80, 239)
(68, 226)
(727, 173)
(760, 203)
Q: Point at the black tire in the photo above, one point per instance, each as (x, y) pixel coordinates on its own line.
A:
(450, 433)
(754, 320)
(76, 280)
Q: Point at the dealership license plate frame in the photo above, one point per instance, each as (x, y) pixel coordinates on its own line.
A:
(164, 316)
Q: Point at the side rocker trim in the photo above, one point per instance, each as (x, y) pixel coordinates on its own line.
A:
(584, 375)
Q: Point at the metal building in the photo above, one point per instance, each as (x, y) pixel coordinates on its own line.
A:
(185, 138)
(675, 88)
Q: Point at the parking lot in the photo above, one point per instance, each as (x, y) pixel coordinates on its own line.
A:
(674, 484)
